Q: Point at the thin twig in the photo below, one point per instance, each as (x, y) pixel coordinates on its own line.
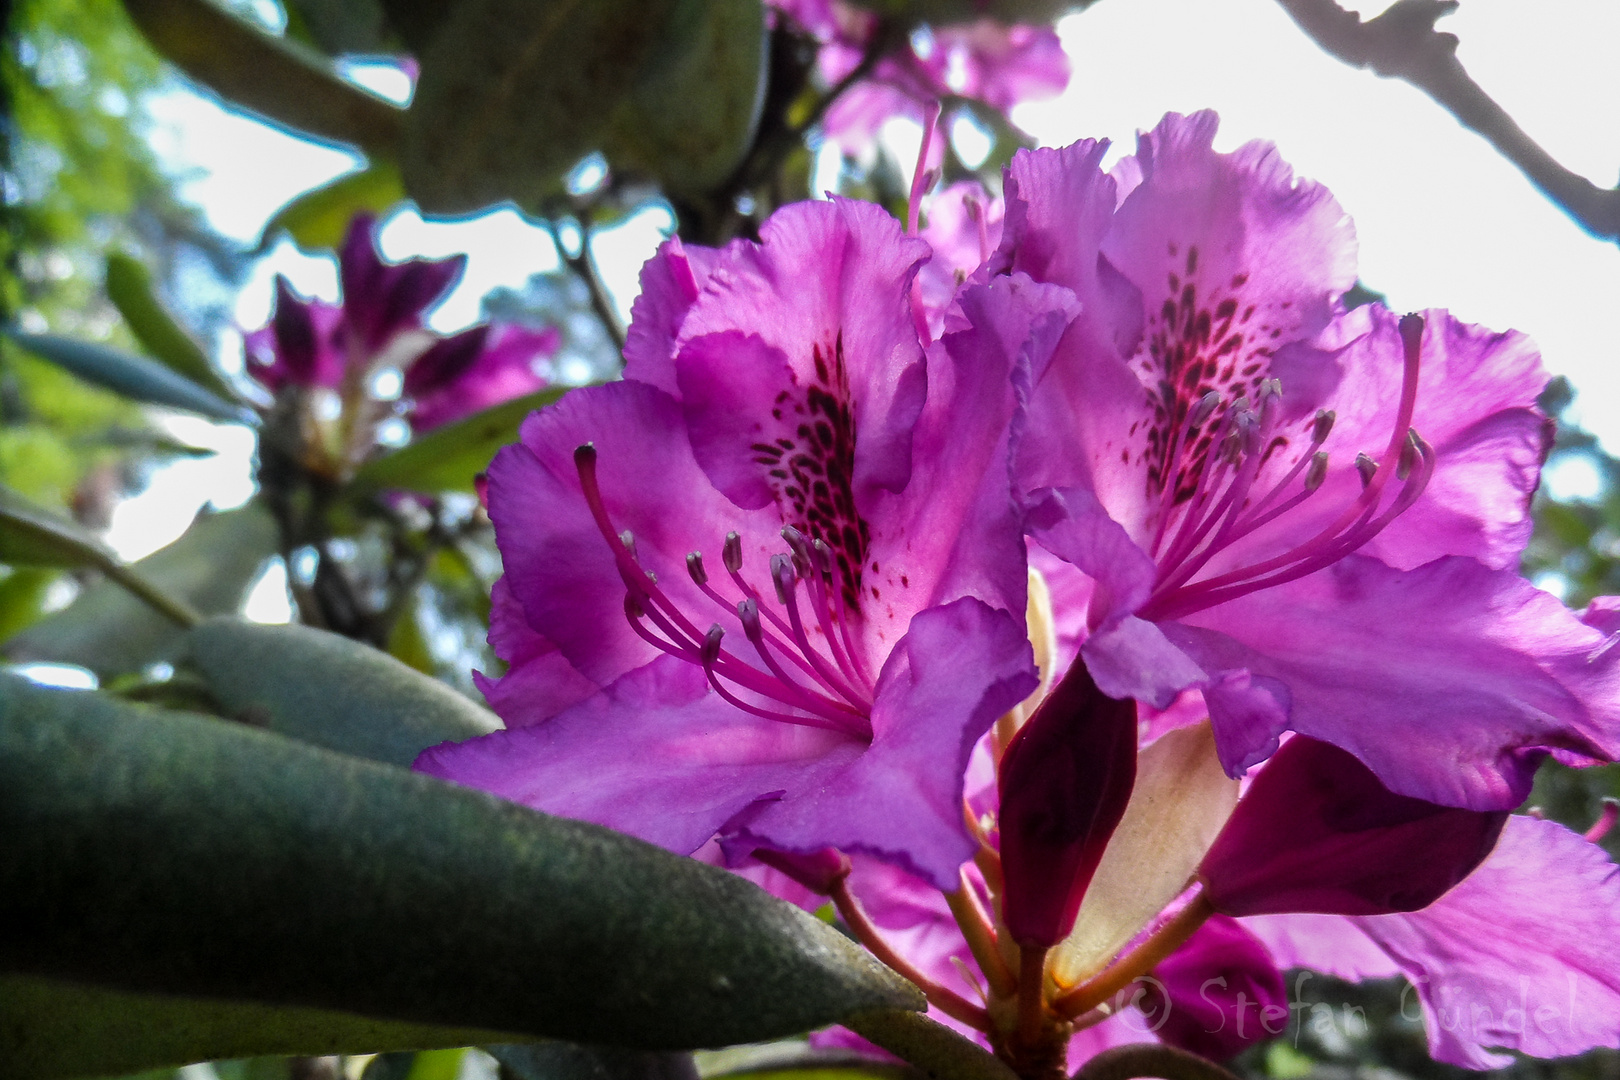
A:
(940, 997)
(878, 46)
(585, 266)
(1150, 1059)
(1402, 43)
(1139, 961)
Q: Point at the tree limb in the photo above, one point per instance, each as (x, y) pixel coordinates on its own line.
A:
(1402, 43)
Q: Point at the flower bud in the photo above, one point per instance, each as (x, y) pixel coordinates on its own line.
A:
(1065, 779)
(818, 871)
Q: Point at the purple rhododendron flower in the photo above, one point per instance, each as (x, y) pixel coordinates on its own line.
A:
(778, 569)
(379, 324)
(985, 60)
(1312, 516)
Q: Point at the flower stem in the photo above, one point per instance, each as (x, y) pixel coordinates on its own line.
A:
(1031, 992)
(942, 998)
(981, 938)
(1139, 961)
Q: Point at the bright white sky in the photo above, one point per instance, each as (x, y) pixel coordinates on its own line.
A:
(1442, 220)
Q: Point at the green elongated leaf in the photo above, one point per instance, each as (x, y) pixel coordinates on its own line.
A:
(692, 113)
(448, 458)
(31, 535)
(162, 852)
(514, 92)
(437, 1065)
(139, 378)
(278, 79)
(129, 287)
(318, 219)
(22, 598)
(930, 1046)
(346, 696)
(109, 631)
(55, 1030)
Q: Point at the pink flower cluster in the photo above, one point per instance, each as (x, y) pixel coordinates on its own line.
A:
(1084, 600)
(314, 347)
(985, 61)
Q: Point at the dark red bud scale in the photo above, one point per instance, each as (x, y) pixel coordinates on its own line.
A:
(1065, 779)
(1317, 832)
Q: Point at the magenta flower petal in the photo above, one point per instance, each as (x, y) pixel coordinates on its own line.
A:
(299, 347)
(1088, 401)
(1521, 955)
(656, 755)
(958, 668)
(1225, 992)
(1129, 657)
(445, 361)
(999, 65)
(1333, 944)
(1316, 832)
(1475, 406)
(540, 682)
(383, 298)
(954, 531)
(963, 228)
(562, 572)
(1234, 239)
(1450, 681)
(476, 370)
(670, 282)
(828, 288)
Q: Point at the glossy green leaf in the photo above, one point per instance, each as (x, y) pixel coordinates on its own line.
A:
(109, 631)
(129, 287)
(450, 457)
(930, 1046)
(693, 110)
(318, 219)
(346, 696)
(514, 92)
(163, 852)
(139, 378)
(55, 1030)
(31, 535)
(280, 80)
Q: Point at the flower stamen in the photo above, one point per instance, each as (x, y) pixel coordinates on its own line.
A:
(833, 701)
(1407, 457)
